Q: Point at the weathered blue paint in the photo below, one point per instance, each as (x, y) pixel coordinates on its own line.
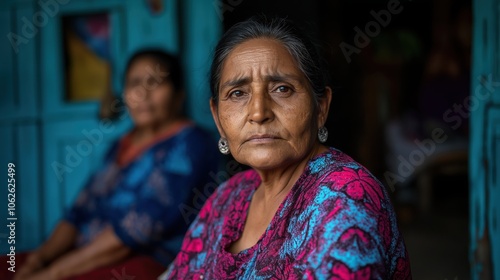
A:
(40, 131)
(485, 142)
(202, 27)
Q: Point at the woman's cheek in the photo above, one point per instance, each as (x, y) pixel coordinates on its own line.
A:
(230, 116)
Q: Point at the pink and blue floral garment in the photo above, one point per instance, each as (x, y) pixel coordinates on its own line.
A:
(336, 223)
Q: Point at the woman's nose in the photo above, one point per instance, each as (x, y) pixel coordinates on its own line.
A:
(136, 96)
(260, 107)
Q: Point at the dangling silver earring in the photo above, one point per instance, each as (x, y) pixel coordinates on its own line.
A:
(223, 146)
(322, 134)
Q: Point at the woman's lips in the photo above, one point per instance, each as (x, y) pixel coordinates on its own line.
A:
(262, 138)
(143, 108)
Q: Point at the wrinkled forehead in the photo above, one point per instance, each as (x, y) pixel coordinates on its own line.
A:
(259, 57)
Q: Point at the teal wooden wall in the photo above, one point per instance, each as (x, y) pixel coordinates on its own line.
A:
(485, 142)
(38, 127)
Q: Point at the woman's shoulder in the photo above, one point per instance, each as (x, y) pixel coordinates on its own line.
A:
(193, 128)
(194, 132)
(192, 138)
(345, 177)
(354, 206)
(330, 160)
(336, 164)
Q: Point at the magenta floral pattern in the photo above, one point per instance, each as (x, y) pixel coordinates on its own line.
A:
(336, 223)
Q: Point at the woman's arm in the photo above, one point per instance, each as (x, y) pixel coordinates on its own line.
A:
(61, 241)
(105, 249)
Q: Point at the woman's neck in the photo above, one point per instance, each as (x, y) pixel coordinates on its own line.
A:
(142, 134)
(278, 182)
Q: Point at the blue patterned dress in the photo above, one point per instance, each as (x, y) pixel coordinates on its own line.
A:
(149, 203)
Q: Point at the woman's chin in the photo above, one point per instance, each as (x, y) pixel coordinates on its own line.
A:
(142, 121)
(261, 158)
(147, 122)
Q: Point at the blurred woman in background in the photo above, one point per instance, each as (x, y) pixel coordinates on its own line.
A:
(129, 210)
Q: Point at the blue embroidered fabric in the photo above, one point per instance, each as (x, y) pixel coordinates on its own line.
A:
(145, 202)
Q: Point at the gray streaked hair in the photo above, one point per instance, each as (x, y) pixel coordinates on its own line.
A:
(282, 30)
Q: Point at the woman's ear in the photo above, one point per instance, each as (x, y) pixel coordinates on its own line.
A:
(324, 106)
(215, 114)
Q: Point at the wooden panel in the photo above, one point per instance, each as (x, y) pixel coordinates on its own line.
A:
(9, 3)
(38, 128)
(7, 101)
(202, 29)
(493, 186)
(482, 74)
(51, 61)
(18, 67)
(496, 8)
(28, 191)
(20, 146)
(26, 62)
(119, 48)
(73, 150)
(51, 84)
(494, 151)
(481, 35)
(145, 29)
(6, 156)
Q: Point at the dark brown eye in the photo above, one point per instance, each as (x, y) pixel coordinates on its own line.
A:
(236, 94)
(282, 89)
(132, 83)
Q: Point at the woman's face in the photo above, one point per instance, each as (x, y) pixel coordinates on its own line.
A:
(265, 106)
(149, 94)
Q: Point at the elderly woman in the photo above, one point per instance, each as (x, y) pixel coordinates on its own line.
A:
(304, 211)
(130, 209)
